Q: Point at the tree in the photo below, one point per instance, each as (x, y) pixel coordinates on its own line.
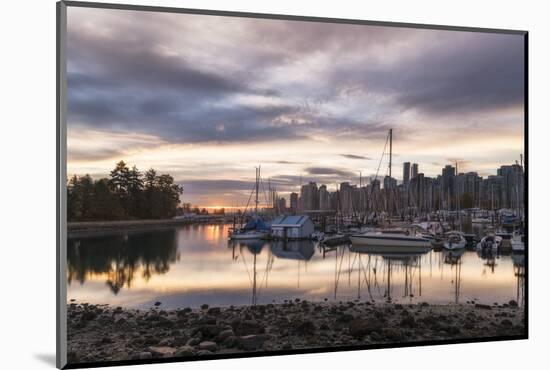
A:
(86, 189)
(74, 199)
(135, 193)
(120, 183)
(106, 205)
(127, 193)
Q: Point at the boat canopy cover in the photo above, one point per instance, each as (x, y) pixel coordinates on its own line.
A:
(256, 223)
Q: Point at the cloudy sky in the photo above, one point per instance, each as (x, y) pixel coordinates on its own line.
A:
(208, 98)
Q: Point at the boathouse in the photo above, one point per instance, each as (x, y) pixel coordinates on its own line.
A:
(292, 227)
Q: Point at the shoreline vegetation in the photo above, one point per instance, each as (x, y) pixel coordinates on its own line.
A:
(104, 333)
(83, 227)
(125, 194)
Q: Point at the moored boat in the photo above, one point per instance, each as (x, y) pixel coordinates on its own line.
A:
(390, 251)
(518, 242)
(481, 220)
(249, 234)
(390, 240)
(454, 240)
(490, 242)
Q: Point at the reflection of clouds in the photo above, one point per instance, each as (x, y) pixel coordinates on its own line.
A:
(207, 272)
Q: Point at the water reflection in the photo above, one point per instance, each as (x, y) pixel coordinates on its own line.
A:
(118, 258)
(378, 272)
(519, 273)
(142, 268)
(300, 251)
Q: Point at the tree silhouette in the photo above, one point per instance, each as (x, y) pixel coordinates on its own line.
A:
(126, 194)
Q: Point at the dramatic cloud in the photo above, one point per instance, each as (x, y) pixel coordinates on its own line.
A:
(213, 96)
(353, 156)
(328, 171)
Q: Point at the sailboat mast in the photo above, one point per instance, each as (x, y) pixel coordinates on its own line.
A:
(391, 141)
(458, 201)
(257, 186)
(389, 190)
(492, 199)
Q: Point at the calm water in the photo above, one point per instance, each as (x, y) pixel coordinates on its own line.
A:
(193, 265)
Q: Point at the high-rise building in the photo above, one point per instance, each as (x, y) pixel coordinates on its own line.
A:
(294, 203)
(447, 177)
(513, 185)
(346, 197)
(414, 170)
(281, 205)
(389, 182)
(406, 173)
(310, 197)
(324, 200)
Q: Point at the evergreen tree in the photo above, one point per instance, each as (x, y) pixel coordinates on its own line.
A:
(126, 194)
(106, 205)
(135, 193)
(120, 183)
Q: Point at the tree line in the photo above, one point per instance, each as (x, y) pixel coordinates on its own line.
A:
(126, 194)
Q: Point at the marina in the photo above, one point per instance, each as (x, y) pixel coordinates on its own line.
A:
(192, 265)
(241, 184)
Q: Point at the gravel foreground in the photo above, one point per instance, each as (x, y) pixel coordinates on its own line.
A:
(102, 333)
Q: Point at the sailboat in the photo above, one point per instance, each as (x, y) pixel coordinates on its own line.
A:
(518, 238)
(255, 228)
(455, 239)
(391, 240)
(518, 242)
(489, 243)
(338, 237)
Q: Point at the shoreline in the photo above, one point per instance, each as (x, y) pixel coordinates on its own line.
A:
(103, 333)
(82, 227)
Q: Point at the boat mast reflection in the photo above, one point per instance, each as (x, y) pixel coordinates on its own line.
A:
(301, 251)
(454, 258)
(365, 263)
(519, 273)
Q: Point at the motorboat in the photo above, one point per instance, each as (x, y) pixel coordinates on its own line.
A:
(490, 242)
(454, 240)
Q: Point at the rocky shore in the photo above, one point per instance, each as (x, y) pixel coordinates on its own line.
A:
(104, 333)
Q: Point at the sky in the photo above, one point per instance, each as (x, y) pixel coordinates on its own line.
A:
(208, 98)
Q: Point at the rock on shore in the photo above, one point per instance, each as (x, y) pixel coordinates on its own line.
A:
(104, 333)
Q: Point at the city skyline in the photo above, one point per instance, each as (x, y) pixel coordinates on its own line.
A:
(449, 189)
(308, 100)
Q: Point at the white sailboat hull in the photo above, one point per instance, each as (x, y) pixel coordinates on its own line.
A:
(389, 250)
(249, 235)
(389, 240)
